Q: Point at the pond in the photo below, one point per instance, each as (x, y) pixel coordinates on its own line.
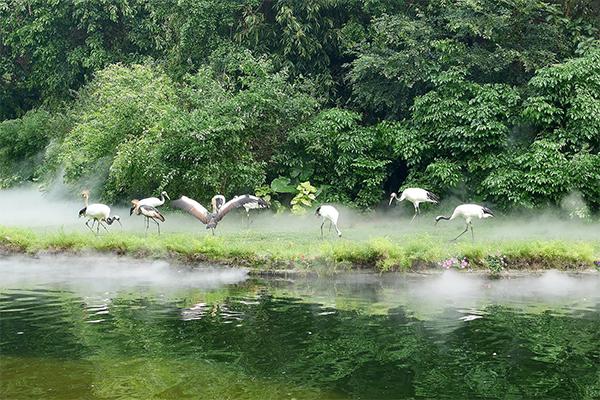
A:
(111, 328)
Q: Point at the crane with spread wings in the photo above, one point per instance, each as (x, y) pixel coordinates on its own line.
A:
(211, 219)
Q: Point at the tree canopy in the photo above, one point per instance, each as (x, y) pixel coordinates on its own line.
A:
(491, 101)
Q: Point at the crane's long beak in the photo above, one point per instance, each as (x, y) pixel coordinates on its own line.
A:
(391, 199)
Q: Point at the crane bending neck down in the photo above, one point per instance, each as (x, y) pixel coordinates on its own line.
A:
(467, 212)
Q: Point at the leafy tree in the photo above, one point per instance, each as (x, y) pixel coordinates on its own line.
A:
(49, 49)
(122, 104)
(356, 96)
(565, 102)
(492, 41)
(23, 142)
(334, 150)
(214, 133)
(455, 132)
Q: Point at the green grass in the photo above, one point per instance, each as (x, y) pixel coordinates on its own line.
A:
(263, 251)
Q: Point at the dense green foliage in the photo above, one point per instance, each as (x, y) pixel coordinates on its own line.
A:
(491, 101)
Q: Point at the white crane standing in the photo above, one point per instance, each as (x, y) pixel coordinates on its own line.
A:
(97, 213)
(468, 212)
(252, 206)
(416, 196)
(151, 213)
(155, 201)
(330, 213)
(211, 219)
(148, 201)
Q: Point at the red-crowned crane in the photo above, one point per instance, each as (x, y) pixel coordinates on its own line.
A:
(97, 213)
(155, 201)
(467, 212)
(151, 213)
(149, 201)
(416, 196)
(211, 219)
(330, 213)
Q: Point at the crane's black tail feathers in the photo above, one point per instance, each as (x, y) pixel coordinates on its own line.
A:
(487, 211)
(110, 220)
(262, 203)
(433, 197)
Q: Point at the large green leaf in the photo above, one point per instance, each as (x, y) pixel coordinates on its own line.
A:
(283, 185)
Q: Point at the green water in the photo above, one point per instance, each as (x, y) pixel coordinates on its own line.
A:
(118, 329)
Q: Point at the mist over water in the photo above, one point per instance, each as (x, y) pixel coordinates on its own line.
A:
(98, 327)
(427, 295)
(92, 274)
(58, 209)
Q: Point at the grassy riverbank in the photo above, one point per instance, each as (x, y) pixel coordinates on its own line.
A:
(262, 251)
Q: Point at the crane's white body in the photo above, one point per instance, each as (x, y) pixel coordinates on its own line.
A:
(330, 213)
(468, 212)
(416, 196)
(97, 213)
(154, 201)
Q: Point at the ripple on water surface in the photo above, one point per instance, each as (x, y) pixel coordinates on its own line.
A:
(118, 328)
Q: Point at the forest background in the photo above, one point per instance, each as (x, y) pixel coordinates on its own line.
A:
(495, 101)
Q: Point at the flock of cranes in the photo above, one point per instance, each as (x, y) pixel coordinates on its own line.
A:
(99, 214)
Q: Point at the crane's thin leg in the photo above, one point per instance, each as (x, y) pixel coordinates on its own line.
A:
(472, 234)
(463, 232)
(213, 231)
(414, 216)
(147, 226)
(101, 224)
(322, 223)
(90, 228)
(330, 223)
(157, 225)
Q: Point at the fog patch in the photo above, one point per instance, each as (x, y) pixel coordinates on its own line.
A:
(96, 274)
(57, 209)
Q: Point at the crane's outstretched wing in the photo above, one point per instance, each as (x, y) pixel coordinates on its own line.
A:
(239, 201)
(193, 207)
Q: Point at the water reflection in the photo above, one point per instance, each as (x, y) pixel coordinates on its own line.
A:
(105, 328)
